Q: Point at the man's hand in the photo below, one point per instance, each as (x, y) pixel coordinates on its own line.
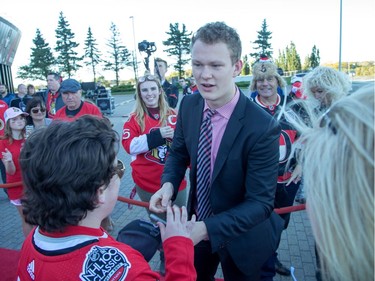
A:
(199, 232)
(161, 198)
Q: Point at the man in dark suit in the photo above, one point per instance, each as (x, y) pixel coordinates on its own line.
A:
(170, 90)
(240, 231)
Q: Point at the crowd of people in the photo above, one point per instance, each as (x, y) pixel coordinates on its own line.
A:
(245, 156)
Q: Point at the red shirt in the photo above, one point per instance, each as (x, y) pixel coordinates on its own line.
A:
(14, 193)
(86, 109)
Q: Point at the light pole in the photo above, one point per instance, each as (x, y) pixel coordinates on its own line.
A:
(135, 52)
(340, 35)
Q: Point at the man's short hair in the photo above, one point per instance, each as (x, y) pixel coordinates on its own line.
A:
(55, 75)
(63, 166)
(161, 60)
(216, 32)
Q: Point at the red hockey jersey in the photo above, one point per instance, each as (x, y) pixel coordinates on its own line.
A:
(148, 150)
(82, 253)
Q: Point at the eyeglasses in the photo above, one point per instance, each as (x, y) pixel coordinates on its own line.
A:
(120, 169)
(37, 110)
(147, 78)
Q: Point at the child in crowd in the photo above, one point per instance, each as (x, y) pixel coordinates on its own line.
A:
(10, 147)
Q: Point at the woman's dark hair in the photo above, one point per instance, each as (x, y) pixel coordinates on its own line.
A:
(34, 102)
(63, 166)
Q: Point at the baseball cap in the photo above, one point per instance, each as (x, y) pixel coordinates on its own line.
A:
(12, 112)
(70, 85)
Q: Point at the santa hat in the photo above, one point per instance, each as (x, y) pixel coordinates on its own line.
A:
(264, 68)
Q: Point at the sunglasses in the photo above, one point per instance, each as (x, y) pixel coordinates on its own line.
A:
(36, 110)
(147, 78)
(120, 169)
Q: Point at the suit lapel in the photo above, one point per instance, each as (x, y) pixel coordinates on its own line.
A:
(232, 130)
(195, 113)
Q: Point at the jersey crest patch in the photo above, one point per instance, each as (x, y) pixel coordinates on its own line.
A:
(105, 263)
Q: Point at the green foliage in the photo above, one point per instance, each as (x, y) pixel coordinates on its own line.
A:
(119, 54)
(246, 66)
(123, 88)
(292, 58)
(289, 60)
(313, 60)
(178, 45)
(92, 54)
(262, 43)
(243, 84)
(41, 60)
(67, 59)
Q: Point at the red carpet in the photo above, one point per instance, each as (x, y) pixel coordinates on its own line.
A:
(8, 264)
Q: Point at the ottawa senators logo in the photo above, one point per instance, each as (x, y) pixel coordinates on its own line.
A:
(105, 263)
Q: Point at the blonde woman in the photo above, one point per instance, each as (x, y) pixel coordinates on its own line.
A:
(325, 85)
(338, 168)
(147, 137)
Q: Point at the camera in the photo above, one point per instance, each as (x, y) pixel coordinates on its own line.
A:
(146, 46)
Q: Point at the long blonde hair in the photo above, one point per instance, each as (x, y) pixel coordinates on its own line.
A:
(140, 109)
(336, 84)
(338, 171)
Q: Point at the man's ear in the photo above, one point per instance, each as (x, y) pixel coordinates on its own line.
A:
(237, 68)
(100, 194)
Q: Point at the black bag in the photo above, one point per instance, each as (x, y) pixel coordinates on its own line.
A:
(143, 236)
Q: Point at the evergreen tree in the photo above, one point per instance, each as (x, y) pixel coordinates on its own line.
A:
(67, 58)
(92, 53)
(246, 66)
(178, 45)
(306, 63)
(41, 60)
(292, 58)
(262, 43)
(314, 58)
(119, 54)
(281, 61)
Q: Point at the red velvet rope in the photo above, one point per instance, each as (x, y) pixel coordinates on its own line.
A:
(279, 211)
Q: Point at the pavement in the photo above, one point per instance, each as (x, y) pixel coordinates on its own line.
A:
(296, 247)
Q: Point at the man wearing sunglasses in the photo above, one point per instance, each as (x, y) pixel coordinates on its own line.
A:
(68, 196)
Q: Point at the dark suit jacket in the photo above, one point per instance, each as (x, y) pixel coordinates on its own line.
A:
(171, 92)
(243, 180)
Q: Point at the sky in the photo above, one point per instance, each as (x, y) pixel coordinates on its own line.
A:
(305, 23)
